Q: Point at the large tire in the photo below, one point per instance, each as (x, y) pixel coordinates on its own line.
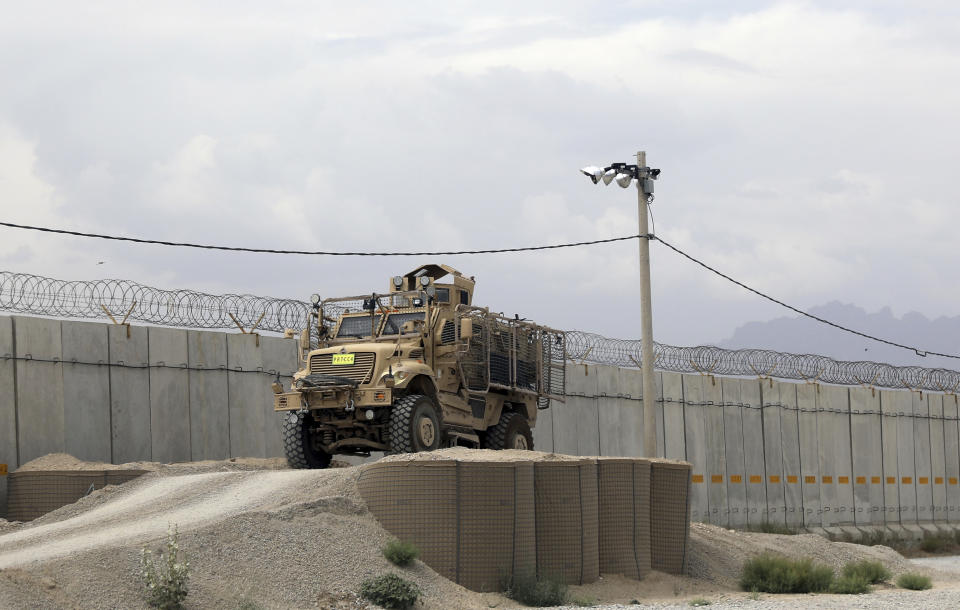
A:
(414, 425)
(511, 432)
(296, 443)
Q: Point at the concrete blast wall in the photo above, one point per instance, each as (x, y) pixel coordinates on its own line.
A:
(804, 455)
(118, 394)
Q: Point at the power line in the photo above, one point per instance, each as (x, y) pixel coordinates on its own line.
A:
(917, 350)
(309, 252)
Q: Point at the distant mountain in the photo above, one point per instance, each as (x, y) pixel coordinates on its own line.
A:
(801, 335)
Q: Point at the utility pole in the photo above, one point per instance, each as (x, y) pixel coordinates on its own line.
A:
(624, 174)
(646, 316)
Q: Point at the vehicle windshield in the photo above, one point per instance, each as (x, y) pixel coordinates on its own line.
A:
(357, 326)
(396, 320)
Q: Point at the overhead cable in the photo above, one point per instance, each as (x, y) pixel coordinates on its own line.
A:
(917, 350)
(158, 242)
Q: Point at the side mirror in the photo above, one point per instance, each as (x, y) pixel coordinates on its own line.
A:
(466, 327)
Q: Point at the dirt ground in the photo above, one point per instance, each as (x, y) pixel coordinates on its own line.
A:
(259, 535)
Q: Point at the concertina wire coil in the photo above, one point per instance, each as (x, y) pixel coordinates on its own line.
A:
(37, 295)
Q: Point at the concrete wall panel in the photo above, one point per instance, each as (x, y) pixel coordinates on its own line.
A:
(716, 450)
(891, 475)
(610, 409)
(696, 447)
(658, 415)
(838, 401)
(809, 455)
(631, 413)
(543, 431)
(906, 459)
(565, 417)
(753, 451)
(130, 394)
(86, 409)
(279, 356)
(8, 408)
(774, 479)
(39, 387)
(169, 395)
(734, 450)
(674, 443)
(790, 452)
(588, 411)
(209, 392)
(867, 456)
(922, 447)
(951, 446)
(247, 414)
(938, 475)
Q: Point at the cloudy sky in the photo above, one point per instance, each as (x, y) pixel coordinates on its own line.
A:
(807, 149)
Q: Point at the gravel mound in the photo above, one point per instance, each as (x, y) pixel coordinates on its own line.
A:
(261, 535)
(717, 554)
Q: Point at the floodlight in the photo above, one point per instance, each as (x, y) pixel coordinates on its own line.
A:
(593, 172)
(624, 179)
(608, 176)
(315, 299)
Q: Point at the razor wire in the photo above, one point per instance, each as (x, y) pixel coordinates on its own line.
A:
(127, 300)
(709, 360)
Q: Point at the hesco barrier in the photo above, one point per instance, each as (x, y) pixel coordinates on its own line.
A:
(624, 514)
(472, 521)
(566, 514)
(482, 523)
(36, 493)
(670, 511)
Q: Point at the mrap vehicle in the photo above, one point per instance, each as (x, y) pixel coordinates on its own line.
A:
(415, 369)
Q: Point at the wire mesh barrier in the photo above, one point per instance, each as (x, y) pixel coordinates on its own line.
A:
(37, 295)
(35, 493)
(482, 524)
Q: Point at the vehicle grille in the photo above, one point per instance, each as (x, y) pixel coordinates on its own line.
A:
(360, 371)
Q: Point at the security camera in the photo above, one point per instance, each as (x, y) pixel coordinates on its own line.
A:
(593, 172)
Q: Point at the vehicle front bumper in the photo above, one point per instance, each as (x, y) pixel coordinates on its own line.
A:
(331, 398)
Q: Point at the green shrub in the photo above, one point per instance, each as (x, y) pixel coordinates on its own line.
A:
(769, 527)
(912, 580)
(850, 585)
(700, 601)
(932, 544)
(166, 578)
(537, 593)
(775, 574)
(583, 602)
(390, 591)
(400, 553)
(871, 571)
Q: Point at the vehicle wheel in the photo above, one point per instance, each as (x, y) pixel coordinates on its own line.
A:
(414, 425)
(297, 443)
(512, 432)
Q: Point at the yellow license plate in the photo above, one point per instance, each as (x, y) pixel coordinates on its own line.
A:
(3, 469)
(343, 358)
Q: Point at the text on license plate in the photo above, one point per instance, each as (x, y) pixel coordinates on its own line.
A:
(343, 358)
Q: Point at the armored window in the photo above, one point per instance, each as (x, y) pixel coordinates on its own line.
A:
(396, 320)
(464, 297)
(357, 326)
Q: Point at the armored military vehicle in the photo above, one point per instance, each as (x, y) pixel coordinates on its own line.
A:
(415, 369)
